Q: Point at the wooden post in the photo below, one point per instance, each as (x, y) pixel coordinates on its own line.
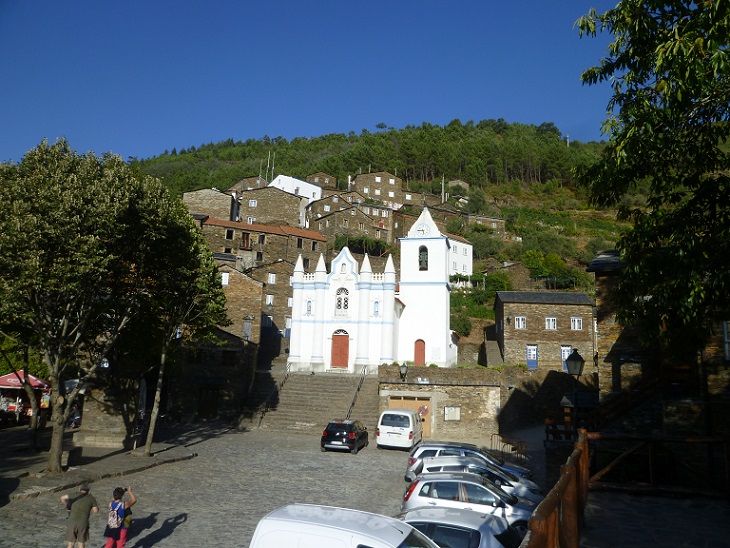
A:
(569, 536)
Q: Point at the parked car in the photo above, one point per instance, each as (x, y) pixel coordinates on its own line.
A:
(457, 528)
(509, 483)
(429, 448)
(344, 434)
(314, 525)
(467, 491)
(399, 428)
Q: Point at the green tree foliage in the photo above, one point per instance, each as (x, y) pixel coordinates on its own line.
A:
(668, 121)
(482, 153)
(75, 261)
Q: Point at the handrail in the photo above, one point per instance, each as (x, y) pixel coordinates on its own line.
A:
(558, 519)
(357, 391)
(265, 406)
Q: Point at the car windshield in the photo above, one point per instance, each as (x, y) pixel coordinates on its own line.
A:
(490, 456)
(504, 497)
(395, 420)
(416, 539)
(338, 427)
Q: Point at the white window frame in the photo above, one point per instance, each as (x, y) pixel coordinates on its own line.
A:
(377, 192)
(366, 190)
(391, 194)
(252, 203)
(225, 276)
(290, 302)
(408, 197)
(551, 323)
(520, 322)
(271, 278)
(250, 220)
(576, 323)
(377, 178)
(269, 299)
(326, 208)
(391, 181)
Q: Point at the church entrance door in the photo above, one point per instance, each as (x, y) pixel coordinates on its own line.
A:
(419, 356)
(340, 348)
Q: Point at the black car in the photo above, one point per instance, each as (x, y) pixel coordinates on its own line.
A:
(344, 434)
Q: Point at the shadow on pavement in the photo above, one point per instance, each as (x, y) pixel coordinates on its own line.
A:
(166, 529)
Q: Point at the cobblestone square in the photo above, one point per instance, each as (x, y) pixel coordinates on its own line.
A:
(218, 497)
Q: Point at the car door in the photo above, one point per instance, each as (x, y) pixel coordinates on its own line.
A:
(444, 494)
(478, 498)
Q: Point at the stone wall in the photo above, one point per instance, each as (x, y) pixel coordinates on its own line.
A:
(209, 202)
(270, 205)
(490, 401)
(108, 415)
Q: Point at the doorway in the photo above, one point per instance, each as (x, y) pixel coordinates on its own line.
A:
(340, 348)
(419, 354)
(422, 406)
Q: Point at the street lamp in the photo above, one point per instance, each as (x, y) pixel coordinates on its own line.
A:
(574, 363)
(403, 372)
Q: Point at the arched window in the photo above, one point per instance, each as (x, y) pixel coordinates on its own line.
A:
(343, 267)
(309, 308)
(342, 303)
(376, 308)
(423, 258)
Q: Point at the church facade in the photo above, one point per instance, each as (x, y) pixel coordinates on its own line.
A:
(352, 318)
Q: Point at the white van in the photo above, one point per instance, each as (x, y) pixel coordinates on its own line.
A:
(399, 428)
(314, 526)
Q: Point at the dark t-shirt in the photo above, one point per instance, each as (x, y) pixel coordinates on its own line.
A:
(81, 508)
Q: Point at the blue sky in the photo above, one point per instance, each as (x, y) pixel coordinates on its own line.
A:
(138, 77)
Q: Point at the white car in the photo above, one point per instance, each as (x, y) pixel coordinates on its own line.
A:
(312, 525)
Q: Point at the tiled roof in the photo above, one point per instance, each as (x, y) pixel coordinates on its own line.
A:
(544, 297)
(282, 230)
(456, 238)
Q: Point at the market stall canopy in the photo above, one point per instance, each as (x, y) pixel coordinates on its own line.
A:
(11, 381)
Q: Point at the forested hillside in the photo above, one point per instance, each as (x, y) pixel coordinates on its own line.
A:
(522, 173)
(480, 153)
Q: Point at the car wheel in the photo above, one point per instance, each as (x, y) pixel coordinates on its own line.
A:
(354, 450)
(322, 449)
(521, 528)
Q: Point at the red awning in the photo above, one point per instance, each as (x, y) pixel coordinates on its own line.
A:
(11, 381)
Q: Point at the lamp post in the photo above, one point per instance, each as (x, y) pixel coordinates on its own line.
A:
(574, 363)
(403, 369)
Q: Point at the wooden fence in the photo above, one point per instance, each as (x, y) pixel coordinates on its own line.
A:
(558, 519)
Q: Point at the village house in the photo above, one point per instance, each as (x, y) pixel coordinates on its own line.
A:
(271, 205)
(248, 183)
(461, 256)
(457, 186)
(541, 328)
(255, 244)
(353, 318)
(210, 201)
(323, 180)
(495, 223)
(351, 222)
(297, 187)
(383, 187)
(212, 379)
(330, 203)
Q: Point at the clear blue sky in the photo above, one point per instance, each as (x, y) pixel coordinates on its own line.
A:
(137, 77)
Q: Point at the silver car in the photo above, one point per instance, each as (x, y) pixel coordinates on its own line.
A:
(509, 483)
(467, 491)
(430, 448)
(463, 528)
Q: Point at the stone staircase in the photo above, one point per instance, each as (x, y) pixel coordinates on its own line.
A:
(306, 402)
(494, 356)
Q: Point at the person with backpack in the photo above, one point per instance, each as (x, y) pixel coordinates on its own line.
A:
(119, 518)
(79, 508)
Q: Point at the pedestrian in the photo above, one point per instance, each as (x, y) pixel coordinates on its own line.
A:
(120, 517)
(79, 509)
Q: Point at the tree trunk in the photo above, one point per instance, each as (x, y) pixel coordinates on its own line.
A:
(156, 404)
(57, 423)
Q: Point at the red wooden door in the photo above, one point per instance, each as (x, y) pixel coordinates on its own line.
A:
(419, 357)
(340, 349)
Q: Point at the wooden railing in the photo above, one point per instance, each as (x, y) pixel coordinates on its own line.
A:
(558, 519)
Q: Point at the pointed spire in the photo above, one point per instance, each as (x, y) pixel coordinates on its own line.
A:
(321, 267)
(389, 267)
(366, 265)
(299, 266)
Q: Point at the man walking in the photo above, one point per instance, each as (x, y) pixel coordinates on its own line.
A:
(79, 508)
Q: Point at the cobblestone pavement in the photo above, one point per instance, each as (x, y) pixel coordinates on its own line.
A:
(218, 497)
(628, 521)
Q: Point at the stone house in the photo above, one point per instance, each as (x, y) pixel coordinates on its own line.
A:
(212, 202)
(271, 205)
(248, 183)
(213, 379)
(495, 223)
(541, 328)
(330, 203)
(323, 180)
(351, 222)
(382, 187)
(276, 305)
(458, 186)
(255, 244)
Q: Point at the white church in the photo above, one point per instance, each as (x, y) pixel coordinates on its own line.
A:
(352, 317)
